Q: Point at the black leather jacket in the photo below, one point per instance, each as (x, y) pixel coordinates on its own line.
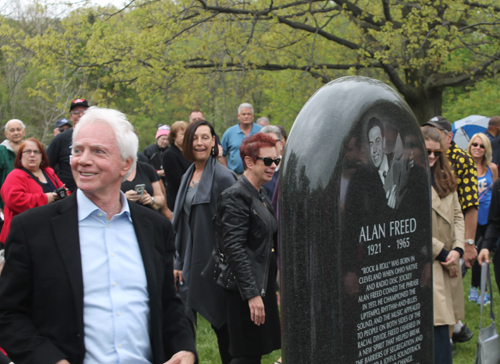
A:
(246, 228)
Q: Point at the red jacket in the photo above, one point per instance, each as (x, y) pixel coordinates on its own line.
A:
(20, 192)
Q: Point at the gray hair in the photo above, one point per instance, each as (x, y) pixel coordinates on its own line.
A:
(17, 121)
(126, 138)
(264, 119)
(245, 104)
(272, 129)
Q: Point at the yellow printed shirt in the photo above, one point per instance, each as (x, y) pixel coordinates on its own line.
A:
(465, 171)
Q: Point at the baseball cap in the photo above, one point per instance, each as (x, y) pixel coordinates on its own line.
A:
(162, 130)
(78, 102)
(62, 122)
(439, 122)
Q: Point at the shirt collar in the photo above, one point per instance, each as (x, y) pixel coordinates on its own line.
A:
(86, 207)
(241, 131)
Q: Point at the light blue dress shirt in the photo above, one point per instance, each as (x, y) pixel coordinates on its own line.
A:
(116, 298)
(231, 142)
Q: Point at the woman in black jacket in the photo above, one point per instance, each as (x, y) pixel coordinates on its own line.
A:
(194, 210)
(174, 162)
(246, 227)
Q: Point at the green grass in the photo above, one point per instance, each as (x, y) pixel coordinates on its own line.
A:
(465, 353)
(208, 351)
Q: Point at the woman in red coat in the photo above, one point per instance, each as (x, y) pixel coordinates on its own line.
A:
(31, 183)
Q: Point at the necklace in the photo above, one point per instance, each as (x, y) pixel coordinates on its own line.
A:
(199, 178)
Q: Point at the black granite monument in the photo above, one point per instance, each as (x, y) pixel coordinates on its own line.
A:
(356, 238)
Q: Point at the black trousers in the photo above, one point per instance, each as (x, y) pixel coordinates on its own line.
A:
(246, 360)
(223, 341)
(496, 265)
(476, 268)
(442, 345)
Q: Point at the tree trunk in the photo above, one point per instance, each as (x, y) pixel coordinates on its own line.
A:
(427, 105)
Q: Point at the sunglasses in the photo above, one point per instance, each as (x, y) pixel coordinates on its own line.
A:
(268, 161)
(437, 153)
(478, 145)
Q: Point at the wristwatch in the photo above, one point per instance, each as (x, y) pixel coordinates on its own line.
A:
(470, 242)
(154, 201)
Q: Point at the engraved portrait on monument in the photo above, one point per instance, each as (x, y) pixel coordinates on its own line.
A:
(355, 230)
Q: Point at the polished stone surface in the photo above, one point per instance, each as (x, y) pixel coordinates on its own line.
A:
(356, 233)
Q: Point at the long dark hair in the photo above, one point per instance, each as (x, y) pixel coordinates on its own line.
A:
(444, 178)
(187, 143)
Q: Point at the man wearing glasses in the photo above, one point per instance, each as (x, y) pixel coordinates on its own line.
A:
(59, 150)
(61, 126)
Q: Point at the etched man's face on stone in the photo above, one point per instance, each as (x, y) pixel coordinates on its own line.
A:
(377, 145)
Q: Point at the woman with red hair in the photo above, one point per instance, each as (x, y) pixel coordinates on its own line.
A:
(246, 237)
(31, 183)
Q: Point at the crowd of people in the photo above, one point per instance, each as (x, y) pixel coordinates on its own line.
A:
(465, 221)
(86, 278)
(93, 277)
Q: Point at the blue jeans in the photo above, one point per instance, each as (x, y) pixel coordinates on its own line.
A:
(442, 345)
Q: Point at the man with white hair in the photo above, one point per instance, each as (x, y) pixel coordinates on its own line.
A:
(89, 280)
(15, 131)
(263, 121)
(232, 138)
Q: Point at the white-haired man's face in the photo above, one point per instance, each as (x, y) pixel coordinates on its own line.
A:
(246, 115)
(97, 165)
(15, 132)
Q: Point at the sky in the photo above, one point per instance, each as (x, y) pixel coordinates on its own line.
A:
(8, 7)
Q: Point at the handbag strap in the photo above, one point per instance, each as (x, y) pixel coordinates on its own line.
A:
(485, 276)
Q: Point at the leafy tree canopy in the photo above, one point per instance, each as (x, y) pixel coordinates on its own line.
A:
(421, 47)
(157, 60)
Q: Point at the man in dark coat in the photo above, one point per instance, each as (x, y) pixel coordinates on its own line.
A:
(55, 306)
(154, 152)
(59, 150)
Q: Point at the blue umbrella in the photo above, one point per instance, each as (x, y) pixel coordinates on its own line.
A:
(465, 128)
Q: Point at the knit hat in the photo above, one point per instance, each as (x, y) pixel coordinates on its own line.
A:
(162, 130)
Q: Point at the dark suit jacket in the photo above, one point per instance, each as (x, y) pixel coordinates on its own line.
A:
(174, 165)
(41, 287)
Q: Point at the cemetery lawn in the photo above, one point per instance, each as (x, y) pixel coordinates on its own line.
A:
(208, 351)
(465, 353)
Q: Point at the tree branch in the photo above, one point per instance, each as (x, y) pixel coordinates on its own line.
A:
(482, 6)
(281, 67)
(477, 24)
(250, 37)
(447, 80)
(404, 89)
(122, 9)
(191, 26)
(228, 10)
(360, 14)
(313, 30)
(387, 10)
